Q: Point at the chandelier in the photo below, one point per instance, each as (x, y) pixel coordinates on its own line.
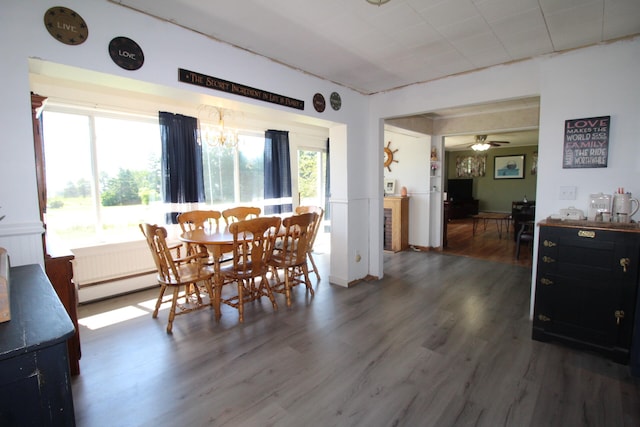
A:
(215, 135)
(481, 143)
(377, 2)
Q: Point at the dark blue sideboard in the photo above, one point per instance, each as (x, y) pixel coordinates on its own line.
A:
(35, 386)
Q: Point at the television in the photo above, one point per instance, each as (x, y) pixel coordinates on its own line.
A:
(460, 189)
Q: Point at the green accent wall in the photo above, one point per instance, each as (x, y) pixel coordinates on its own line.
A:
(496, 195)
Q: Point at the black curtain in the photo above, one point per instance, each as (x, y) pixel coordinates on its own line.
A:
(181, 161)
(277, 171)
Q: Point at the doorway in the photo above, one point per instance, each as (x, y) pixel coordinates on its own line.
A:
(312, 189)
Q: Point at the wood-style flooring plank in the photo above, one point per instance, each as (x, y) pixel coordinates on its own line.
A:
(440, 340)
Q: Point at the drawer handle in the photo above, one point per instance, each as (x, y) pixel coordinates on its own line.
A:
(619, 314)
(587, 233)
(544, 318)
(548, 259)
(624, 263)
(549, 244)
(546, 281)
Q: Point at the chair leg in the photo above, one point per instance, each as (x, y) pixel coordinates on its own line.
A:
(307, 281)
(159, 301)
(208, 284)
(172, 312)
(241, 300)
(287, 286)
(313, 263)
(264, 284)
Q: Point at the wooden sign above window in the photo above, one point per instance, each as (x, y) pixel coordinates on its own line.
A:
(203, 80)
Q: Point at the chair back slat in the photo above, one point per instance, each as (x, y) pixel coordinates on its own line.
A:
(197, 219)
(298, 235)
(156, 239)
(318, 222)
(253, 241)
(240, 213)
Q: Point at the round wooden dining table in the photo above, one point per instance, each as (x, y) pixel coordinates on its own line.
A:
(218, 241)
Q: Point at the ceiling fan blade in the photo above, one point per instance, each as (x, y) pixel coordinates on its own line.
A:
(497, 143)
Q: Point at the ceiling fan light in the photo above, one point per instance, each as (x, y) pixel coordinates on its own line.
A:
(377, 2)
(481, 146)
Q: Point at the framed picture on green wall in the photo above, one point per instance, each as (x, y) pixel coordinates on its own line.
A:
(508, 167)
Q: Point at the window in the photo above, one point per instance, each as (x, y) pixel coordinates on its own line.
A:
(245, 164)
(103, 175)
(311, 176)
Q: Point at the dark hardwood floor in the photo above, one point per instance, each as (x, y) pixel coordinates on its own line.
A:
(441, 340)
(486, 244)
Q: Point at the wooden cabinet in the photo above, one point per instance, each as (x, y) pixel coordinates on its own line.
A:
(396, 223)
(57, 259)
(459, 209)
(586, 286)
(59, 269)
(35, 385)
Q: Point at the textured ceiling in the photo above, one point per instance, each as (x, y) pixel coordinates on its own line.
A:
(372, 49)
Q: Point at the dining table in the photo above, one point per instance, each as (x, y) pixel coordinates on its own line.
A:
(218, 241)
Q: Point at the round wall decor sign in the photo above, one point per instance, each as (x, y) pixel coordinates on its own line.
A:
(319, 102)
(335, 100)
(126, 53)
(65, 25)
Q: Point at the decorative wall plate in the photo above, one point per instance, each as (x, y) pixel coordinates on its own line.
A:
(388, 156)
(126, 53)
(335, 100)
(65, 25)
(318, 102)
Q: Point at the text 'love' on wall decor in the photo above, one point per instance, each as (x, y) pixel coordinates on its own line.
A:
(586, 143)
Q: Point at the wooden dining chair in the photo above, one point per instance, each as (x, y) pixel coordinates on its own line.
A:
(177, 273)
(193, 220)
(525, 234)
(253, 242)
(316, 227)
(291, 257)
(240, 213)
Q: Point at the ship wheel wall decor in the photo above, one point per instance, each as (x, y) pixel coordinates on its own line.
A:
(388, 156)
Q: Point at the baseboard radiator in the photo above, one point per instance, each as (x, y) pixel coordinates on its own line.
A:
(109, 270)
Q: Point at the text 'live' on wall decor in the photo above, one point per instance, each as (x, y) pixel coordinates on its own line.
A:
(586, 143)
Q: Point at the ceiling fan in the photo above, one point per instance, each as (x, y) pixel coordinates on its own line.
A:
(482, 144)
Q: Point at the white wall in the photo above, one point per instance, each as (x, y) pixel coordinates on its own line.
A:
(600, 80)
(596, 81)
(166, 47)
(412, 171)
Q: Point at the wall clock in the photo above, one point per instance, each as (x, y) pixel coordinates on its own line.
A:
(126, 53)
(319, 102)
(65, 25)
(388, 156)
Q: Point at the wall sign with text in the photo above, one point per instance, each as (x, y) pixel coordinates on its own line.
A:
(65, 25)
(586, 143)
(126, 53)
(210, 82)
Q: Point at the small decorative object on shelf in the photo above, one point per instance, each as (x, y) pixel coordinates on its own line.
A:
(403, 191)
(434, 154)
(434, 167)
